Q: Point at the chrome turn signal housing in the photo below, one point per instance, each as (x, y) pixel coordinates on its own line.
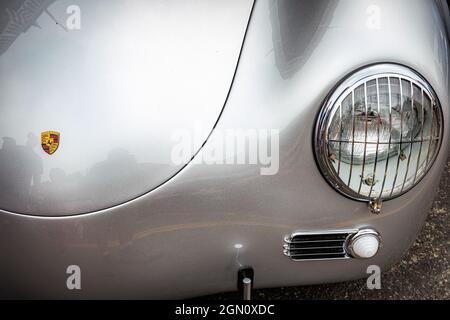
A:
(364, 244)
(379, 132)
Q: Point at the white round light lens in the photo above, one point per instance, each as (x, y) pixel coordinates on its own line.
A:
(365, 246)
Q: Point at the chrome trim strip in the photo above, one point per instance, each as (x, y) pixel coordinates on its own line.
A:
(377, 84)
(401, 135)
(431, 131)
(390, 138)
(421, 137)
(411, 140)
(353, 138)
(365, 138)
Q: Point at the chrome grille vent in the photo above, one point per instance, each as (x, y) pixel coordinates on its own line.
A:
(379, 133)
(317, 246)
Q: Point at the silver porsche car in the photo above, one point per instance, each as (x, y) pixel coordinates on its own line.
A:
(179, 148)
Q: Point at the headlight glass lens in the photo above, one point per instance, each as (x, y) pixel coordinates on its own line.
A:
(379, 132)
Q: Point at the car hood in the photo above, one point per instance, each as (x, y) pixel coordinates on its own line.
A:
(118, 83)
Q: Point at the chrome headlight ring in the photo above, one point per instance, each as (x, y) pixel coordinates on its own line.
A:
(379, 132)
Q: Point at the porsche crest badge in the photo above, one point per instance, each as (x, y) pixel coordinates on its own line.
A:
(50, 141)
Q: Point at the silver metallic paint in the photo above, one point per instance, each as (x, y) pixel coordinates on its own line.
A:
(117, 90)
(179, 240)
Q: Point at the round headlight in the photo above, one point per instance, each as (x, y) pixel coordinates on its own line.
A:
(379, 132)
